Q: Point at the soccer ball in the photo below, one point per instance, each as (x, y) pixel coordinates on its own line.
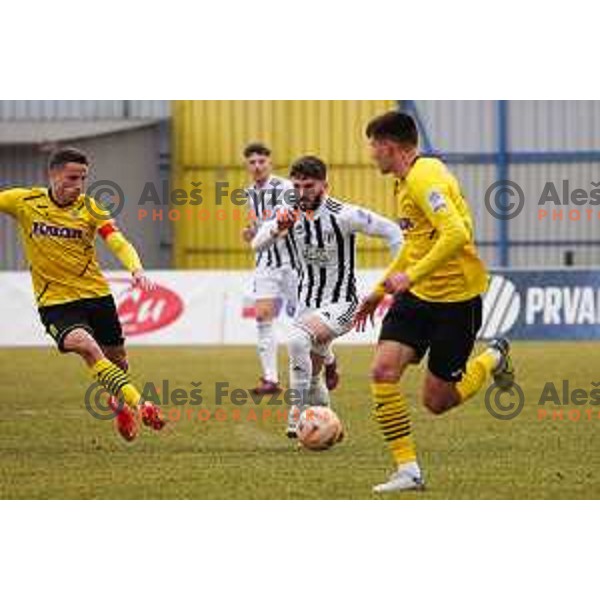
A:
(319, 428)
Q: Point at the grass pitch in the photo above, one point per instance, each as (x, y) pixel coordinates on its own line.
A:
(50, 447)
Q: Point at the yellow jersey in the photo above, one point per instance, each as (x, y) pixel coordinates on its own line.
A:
(439, 255)
(59, 244)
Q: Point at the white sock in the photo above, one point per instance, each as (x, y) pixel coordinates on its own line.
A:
(299, 347)
(318, 394)
(267, 350)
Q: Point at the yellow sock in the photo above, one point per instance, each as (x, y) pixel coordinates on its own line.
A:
(479, 369)
(115, 381)
(392, 414)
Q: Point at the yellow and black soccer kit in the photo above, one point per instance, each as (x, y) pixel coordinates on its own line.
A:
(441, 312)
(70, 290)
(59, 243)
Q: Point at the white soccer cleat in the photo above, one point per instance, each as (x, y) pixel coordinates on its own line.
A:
(504, 373)
(292, 424)
(407, 477)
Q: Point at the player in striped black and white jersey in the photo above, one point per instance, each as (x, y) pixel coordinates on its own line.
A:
(276, 267)
(322, 232)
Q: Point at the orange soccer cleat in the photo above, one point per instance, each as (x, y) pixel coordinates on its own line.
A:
(126, 420)
(152, 416)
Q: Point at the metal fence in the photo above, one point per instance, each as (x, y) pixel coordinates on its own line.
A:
(549, 149)
(532, 143)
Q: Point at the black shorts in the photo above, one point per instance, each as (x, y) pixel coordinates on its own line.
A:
(447, 329)
(98, 316)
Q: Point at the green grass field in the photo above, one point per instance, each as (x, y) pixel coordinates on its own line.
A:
(50, 447)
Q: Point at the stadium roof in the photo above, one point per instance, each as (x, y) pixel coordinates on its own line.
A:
(47, 132)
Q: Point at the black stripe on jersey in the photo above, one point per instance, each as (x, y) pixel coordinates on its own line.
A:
(269, 258)
(300, 282)
(322, 270)
(290, 251)
(277, 255)
(27, 198)
(254, 197)
(87, 264)
(292, 237)
(340, 258)
(44, 290)
(309, 267)
(351, 289)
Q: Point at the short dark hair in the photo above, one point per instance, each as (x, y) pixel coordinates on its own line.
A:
(62, 156)
(309, 166)
(256, 148)
(395, 126)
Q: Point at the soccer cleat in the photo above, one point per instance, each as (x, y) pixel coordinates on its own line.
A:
(267, 387)
(126, 420)
(504, 373)
(407, 477)
(292, 424)
(332, 376)
(152, 416)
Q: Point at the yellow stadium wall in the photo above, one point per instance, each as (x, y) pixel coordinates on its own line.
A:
(208, 138)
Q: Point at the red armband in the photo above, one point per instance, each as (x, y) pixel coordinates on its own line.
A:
(107, 229)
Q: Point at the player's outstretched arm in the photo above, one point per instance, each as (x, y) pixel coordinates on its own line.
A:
(375, 225)
(126, 253)
(9, 199)
(272, 230)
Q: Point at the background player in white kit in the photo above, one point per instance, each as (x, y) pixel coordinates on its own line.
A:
(324, 233)
(275, 276)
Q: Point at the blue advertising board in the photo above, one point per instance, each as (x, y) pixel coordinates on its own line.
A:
(561, 304)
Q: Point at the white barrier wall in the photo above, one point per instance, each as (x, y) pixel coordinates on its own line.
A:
(214, 307)
(187, 308)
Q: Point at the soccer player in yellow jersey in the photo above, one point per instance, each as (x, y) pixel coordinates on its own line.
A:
(58, 227)
(437, 280)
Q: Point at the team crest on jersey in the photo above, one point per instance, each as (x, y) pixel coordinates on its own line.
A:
(406, 224)
(436, 201)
